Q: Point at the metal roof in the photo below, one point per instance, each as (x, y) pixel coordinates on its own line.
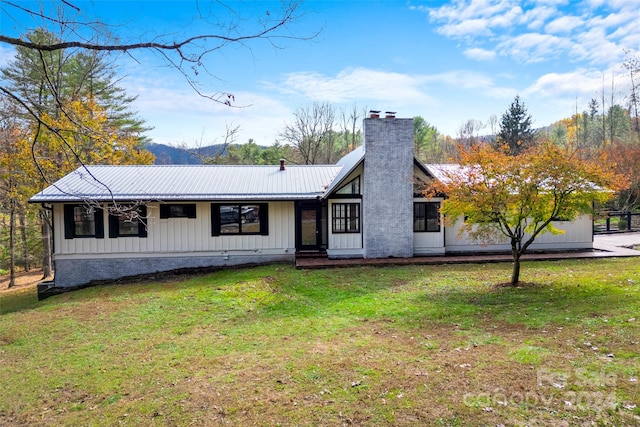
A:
(188, 182)
(442, 172)
(348, 163)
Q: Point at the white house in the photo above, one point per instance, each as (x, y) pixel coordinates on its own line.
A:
(367, 206)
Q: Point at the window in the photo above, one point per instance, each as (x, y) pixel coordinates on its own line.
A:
(123, 225)
(83, 221)
(239, 219)
(351, 188)
(171, 210)
(426, 217)
(346, 217)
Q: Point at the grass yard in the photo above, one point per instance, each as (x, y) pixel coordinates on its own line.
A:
(415, 345)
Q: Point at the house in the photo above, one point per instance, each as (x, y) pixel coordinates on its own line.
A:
(368, 205)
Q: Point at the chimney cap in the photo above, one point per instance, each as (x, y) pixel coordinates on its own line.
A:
(390, 114)
(374, 114)
(282, 161)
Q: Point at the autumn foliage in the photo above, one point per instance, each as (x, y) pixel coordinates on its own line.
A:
(34, 155)
(520, 197)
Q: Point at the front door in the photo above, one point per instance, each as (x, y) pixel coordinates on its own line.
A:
(308, 226)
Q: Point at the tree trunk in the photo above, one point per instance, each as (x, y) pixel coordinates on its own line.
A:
(515, 275)
(23, 235)
(12, 244)
(516, 252)
(46, 243)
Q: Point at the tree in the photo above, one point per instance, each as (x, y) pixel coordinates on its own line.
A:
(519, 197)
(65, 56)
(312, 133)
(351, 134)
(469, 132)
(87, 37)
(632, 64)
(516, 132)
(625, 158)
(17, 182)
(44, 81)
(229, 138)
(248, 153)
(425, 141)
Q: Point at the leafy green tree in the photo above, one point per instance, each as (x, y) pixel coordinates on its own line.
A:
(271, 155)
(248, 153)
(516, 132)
(44, 82)
(425, 141)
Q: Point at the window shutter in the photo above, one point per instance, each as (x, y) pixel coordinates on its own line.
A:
(99, 219)
(68, 222)
(113, 226)
(215, 219)
(164, 211)
(142, 223)
(264, 219)
(190, 210)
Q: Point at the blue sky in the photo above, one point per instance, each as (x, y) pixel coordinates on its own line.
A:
(448, 61)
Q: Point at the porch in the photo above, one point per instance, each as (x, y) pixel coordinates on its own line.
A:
(603, 247)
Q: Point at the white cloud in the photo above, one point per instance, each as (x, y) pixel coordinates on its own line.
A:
(180, 116)
(480, 54)
(596, 47)
(534, 47)
(564, 24)
(594, 31)
(354, 84)
(467, 28)
(470, 9)
(581, 82)
(536, 18)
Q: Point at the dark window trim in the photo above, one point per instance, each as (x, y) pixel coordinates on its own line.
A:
(188, 210)
(216, 219)
(426, 219)
(350, 184)
(114, 226)
(354, 215)
(69, 223)
(346, 196)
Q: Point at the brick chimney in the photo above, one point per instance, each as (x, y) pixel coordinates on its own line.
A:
(387, 213)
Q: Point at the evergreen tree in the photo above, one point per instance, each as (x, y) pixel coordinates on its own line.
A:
(45, 81)
(516, 133)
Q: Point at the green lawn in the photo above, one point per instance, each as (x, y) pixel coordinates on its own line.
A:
(417, 345)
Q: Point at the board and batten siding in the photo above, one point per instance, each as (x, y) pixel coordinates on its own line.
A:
(578, 234)
(344, 245)
(181, 235)
(429, 243)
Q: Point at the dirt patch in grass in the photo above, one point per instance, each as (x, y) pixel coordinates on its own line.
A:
(377, 374)
(23, 280)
